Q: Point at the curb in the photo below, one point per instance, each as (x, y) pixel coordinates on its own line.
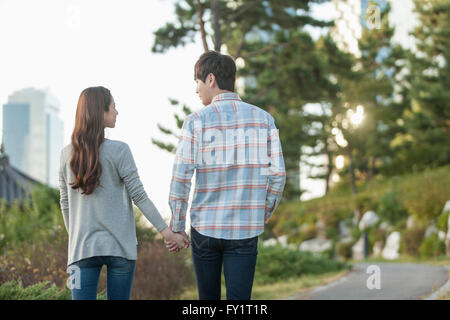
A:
(439, 292)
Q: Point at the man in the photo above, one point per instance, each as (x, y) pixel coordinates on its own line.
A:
(236, 152)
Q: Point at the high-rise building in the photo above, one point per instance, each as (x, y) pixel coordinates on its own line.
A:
(33, 134)
(353, 16)
(347, 25)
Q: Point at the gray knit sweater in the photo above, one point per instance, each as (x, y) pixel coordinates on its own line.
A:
(102, 223)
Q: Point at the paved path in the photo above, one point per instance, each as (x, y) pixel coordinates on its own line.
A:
(403, 281)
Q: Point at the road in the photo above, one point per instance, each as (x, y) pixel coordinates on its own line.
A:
(388, 281)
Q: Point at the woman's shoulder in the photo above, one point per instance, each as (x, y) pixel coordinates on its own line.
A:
(114, 144)
(115, 147)
(66, 151)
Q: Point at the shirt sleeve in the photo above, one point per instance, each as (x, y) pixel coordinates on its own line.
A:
(129, 174)
(276, 172)
(183, 170)
(63, 197)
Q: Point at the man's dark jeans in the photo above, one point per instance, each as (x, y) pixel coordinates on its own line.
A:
(238, 258)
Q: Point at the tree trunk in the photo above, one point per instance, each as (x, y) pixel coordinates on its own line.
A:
(329, 167)
(351, 170)
(215, 12)
(371, 168)
(201, 25)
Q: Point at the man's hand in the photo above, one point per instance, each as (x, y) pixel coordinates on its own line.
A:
(173, 247)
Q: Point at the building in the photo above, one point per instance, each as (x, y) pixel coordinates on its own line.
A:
(352, 16)
(33, 134)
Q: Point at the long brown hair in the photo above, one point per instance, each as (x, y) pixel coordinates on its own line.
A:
(87, 137)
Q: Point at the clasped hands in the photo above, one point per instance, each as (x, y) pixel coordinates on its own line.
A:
(175, 240)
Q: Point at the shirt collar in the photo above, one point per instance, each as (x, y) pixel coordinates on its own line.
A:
(226, 96)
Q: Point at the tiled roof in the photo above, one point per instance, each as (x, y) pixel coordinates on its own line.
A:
(13, 183)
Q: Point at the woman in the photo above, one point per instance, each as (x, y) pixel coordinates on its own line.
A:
(98, 180)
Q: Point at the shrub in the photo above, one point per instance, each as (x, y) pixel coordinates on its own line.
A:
(355, 233)
(376, 235)
(309, 232)
(442, 221)
(43, 259)
(14, 290)
(432, 247)
(425, 195)
(363, 202)
(344, 249)
(160, 274)
(36, 218)
(276, 263)
(411, 240)
(390, 208)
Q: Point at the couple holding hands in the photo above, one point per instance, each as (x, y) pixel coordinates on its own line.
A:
(233, 199)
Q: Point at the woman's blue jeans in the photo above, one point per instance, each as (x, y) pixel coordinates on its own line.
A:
(120, 274)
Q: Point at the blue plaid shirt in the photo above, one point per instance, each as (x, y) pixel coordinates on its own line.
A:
(235, 150)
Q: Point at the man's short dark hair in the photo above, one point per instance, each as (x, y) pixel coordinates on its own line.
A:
(220, 65)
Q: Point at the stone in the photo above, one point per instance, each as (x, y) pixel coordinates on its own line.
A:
(430, 230)
(377, 249)
(369, 219)
(347, 239)
(317, 245)
(320, 228)
(270, 242)
(304, 227)
(386, 226)
(344, 231)
(283, 241)
(411, 222)
(358, 249)
(446, 207)
(391, 249)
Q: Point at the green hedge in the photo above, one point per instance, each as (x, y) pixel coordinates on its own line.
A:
(275, 263)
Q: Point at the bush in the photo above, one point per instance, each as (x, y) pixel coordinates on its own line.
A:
(376, 235)
(442, 221)
(161, 274)
(432, 247)
(276, 263)
(344, 249)
(363, 202)
(355, 233)
(36, 218)
(309, 232)
(43, 259)
(390, 208)
(424, 196)
(411, 240)
(14, 290)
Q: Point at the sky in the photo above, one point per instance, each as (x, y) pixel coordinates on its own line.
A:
(68, 45)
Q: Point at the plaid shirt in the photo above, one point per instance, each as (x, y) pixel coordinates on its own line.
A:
(235, 150)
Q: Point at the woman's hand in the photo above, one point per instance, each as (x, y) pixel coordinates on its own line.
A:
(175, 240)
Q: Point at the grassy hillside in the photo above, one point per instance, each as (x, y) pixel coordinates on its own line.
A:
(421, 195)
